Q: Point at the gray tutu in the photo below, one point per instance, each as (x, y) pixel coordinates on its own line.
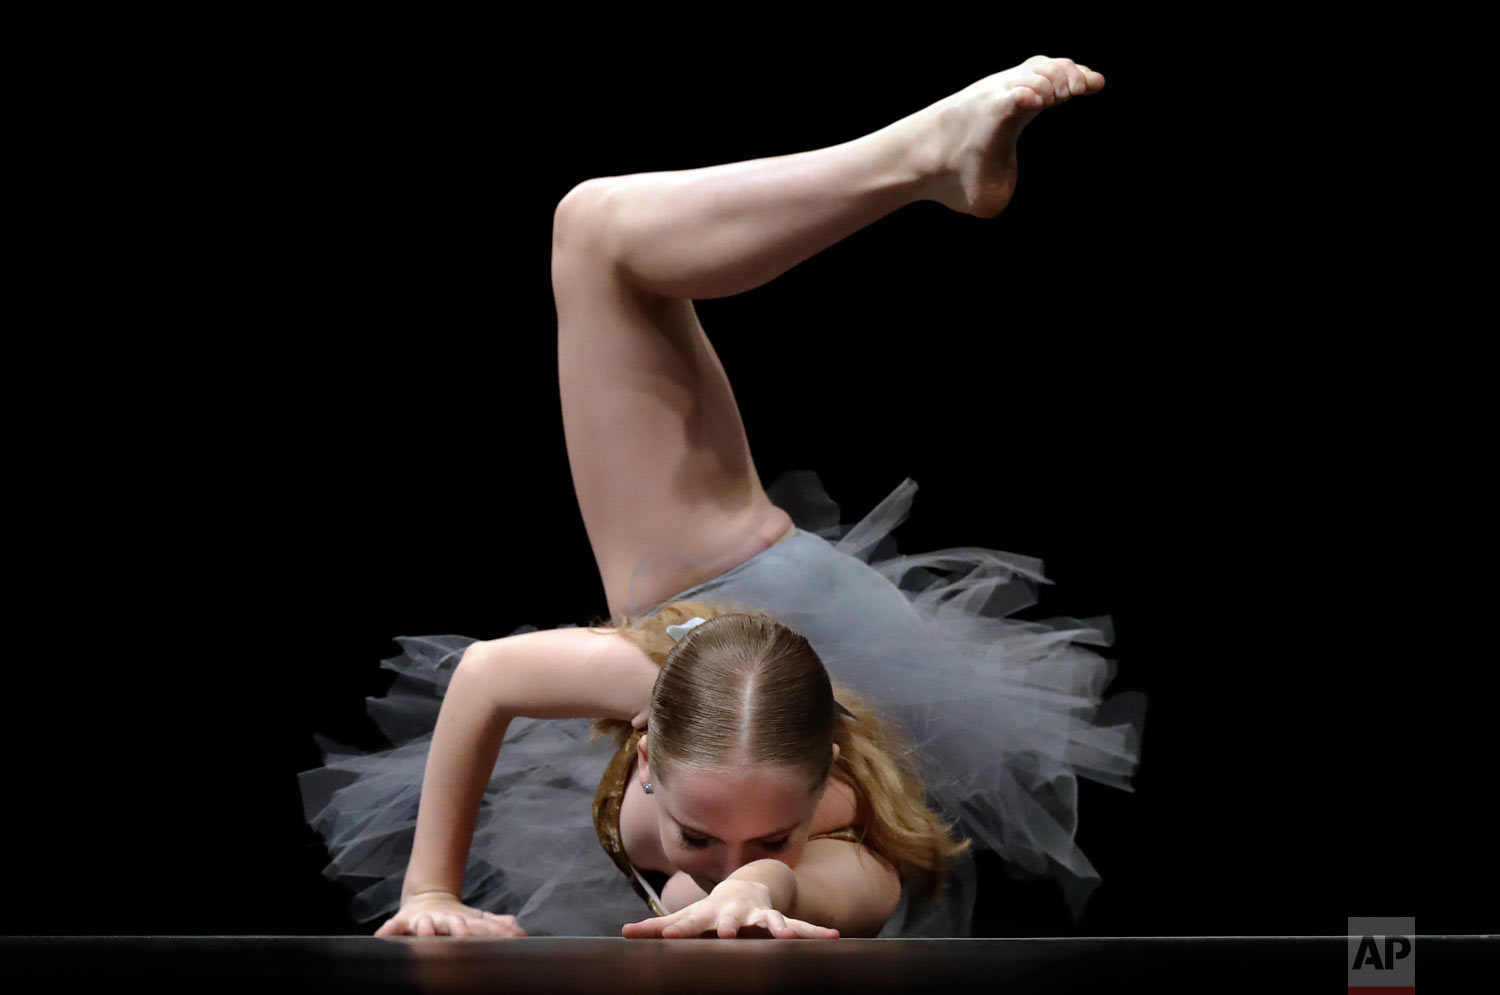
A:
(1005, 715)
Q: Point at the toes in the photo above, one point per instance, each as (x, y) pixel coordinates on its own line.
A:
(1073, 81)
(1047, 88)
(1054, 71)
(1031, 97)
(1066, 77)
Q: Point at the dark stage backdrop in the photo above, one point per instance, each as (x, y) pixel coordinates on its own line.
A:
(357, 435)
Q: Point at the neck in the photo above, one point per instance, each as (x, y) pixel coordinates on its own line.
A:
(638, 821)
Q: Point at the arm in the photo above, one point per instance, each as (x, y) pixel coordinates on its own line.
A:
(465, 744)
(681, 891)
(841, 885)
(552, 673)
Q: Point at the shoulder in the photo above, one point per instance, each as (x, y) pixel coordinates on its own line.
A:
(839, 808)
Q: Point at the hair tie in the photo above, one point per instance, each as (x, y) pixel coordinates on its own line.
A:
(683, 628)
(678, 631)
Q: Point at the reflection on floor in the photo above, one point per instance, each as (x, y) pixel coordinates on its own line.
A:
(271, 965)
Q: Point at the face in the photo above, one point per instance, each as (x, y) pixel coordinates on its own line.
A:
(713, 823)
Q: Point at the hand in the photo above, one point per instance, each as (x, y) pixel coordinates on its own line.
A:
(441, 914)
(733, 909)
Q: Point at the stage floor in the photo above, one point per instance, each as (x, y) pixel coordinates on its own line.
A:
(278, 965)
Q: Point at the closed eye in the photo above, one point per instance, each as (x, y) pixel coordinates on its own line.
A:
(698, 842)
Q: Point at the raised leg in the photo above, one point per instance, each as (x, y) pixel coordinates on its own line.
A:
(660, 460)
(721, 230)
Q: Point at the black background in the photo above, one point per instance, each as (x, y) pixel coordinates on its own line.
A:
(321, 410)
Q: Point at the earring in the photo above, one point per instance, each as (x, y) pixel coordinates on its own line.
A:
(646, 787)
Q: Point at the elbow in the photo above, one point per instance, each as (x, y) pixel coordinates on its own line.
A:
(855, 893)
(476, 665)
(868, 921)
(888, 908)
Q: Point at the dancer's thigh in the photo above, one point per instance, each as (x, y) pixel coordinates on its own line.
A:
(660, 461)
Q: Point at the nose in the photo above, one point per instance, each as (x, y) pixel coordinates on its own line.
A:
(735, 857)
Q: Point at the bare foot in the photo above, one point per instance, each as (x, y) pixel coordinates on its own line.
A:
(975, 129)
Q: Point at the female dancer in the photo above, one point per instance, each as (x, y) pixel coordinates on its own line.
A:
(745, 791)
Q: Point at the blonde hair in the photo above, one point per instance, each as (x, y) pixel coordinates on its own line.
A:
(744, 688)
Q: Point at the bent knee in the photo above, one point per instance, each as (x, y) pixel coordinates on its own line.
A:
(478, 651)
(577, 216)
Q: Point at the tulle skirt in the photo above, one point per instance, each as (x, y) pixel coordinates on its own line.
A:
(1005, 716)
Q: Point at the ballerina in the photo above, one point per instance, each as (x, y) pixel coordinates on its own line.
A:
(772, 740)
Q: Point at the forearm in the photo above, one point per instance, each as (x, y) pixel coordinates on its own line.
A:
(840, 890)
(780, 879)
(723, 229)
(465, 744)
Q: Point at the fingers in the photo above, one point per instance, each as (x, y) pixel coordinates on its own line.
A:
(727, 926)
(506, 925)
(774, 924)
(659, 926)
(809, 931)
(431, 924)
(487, 925)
